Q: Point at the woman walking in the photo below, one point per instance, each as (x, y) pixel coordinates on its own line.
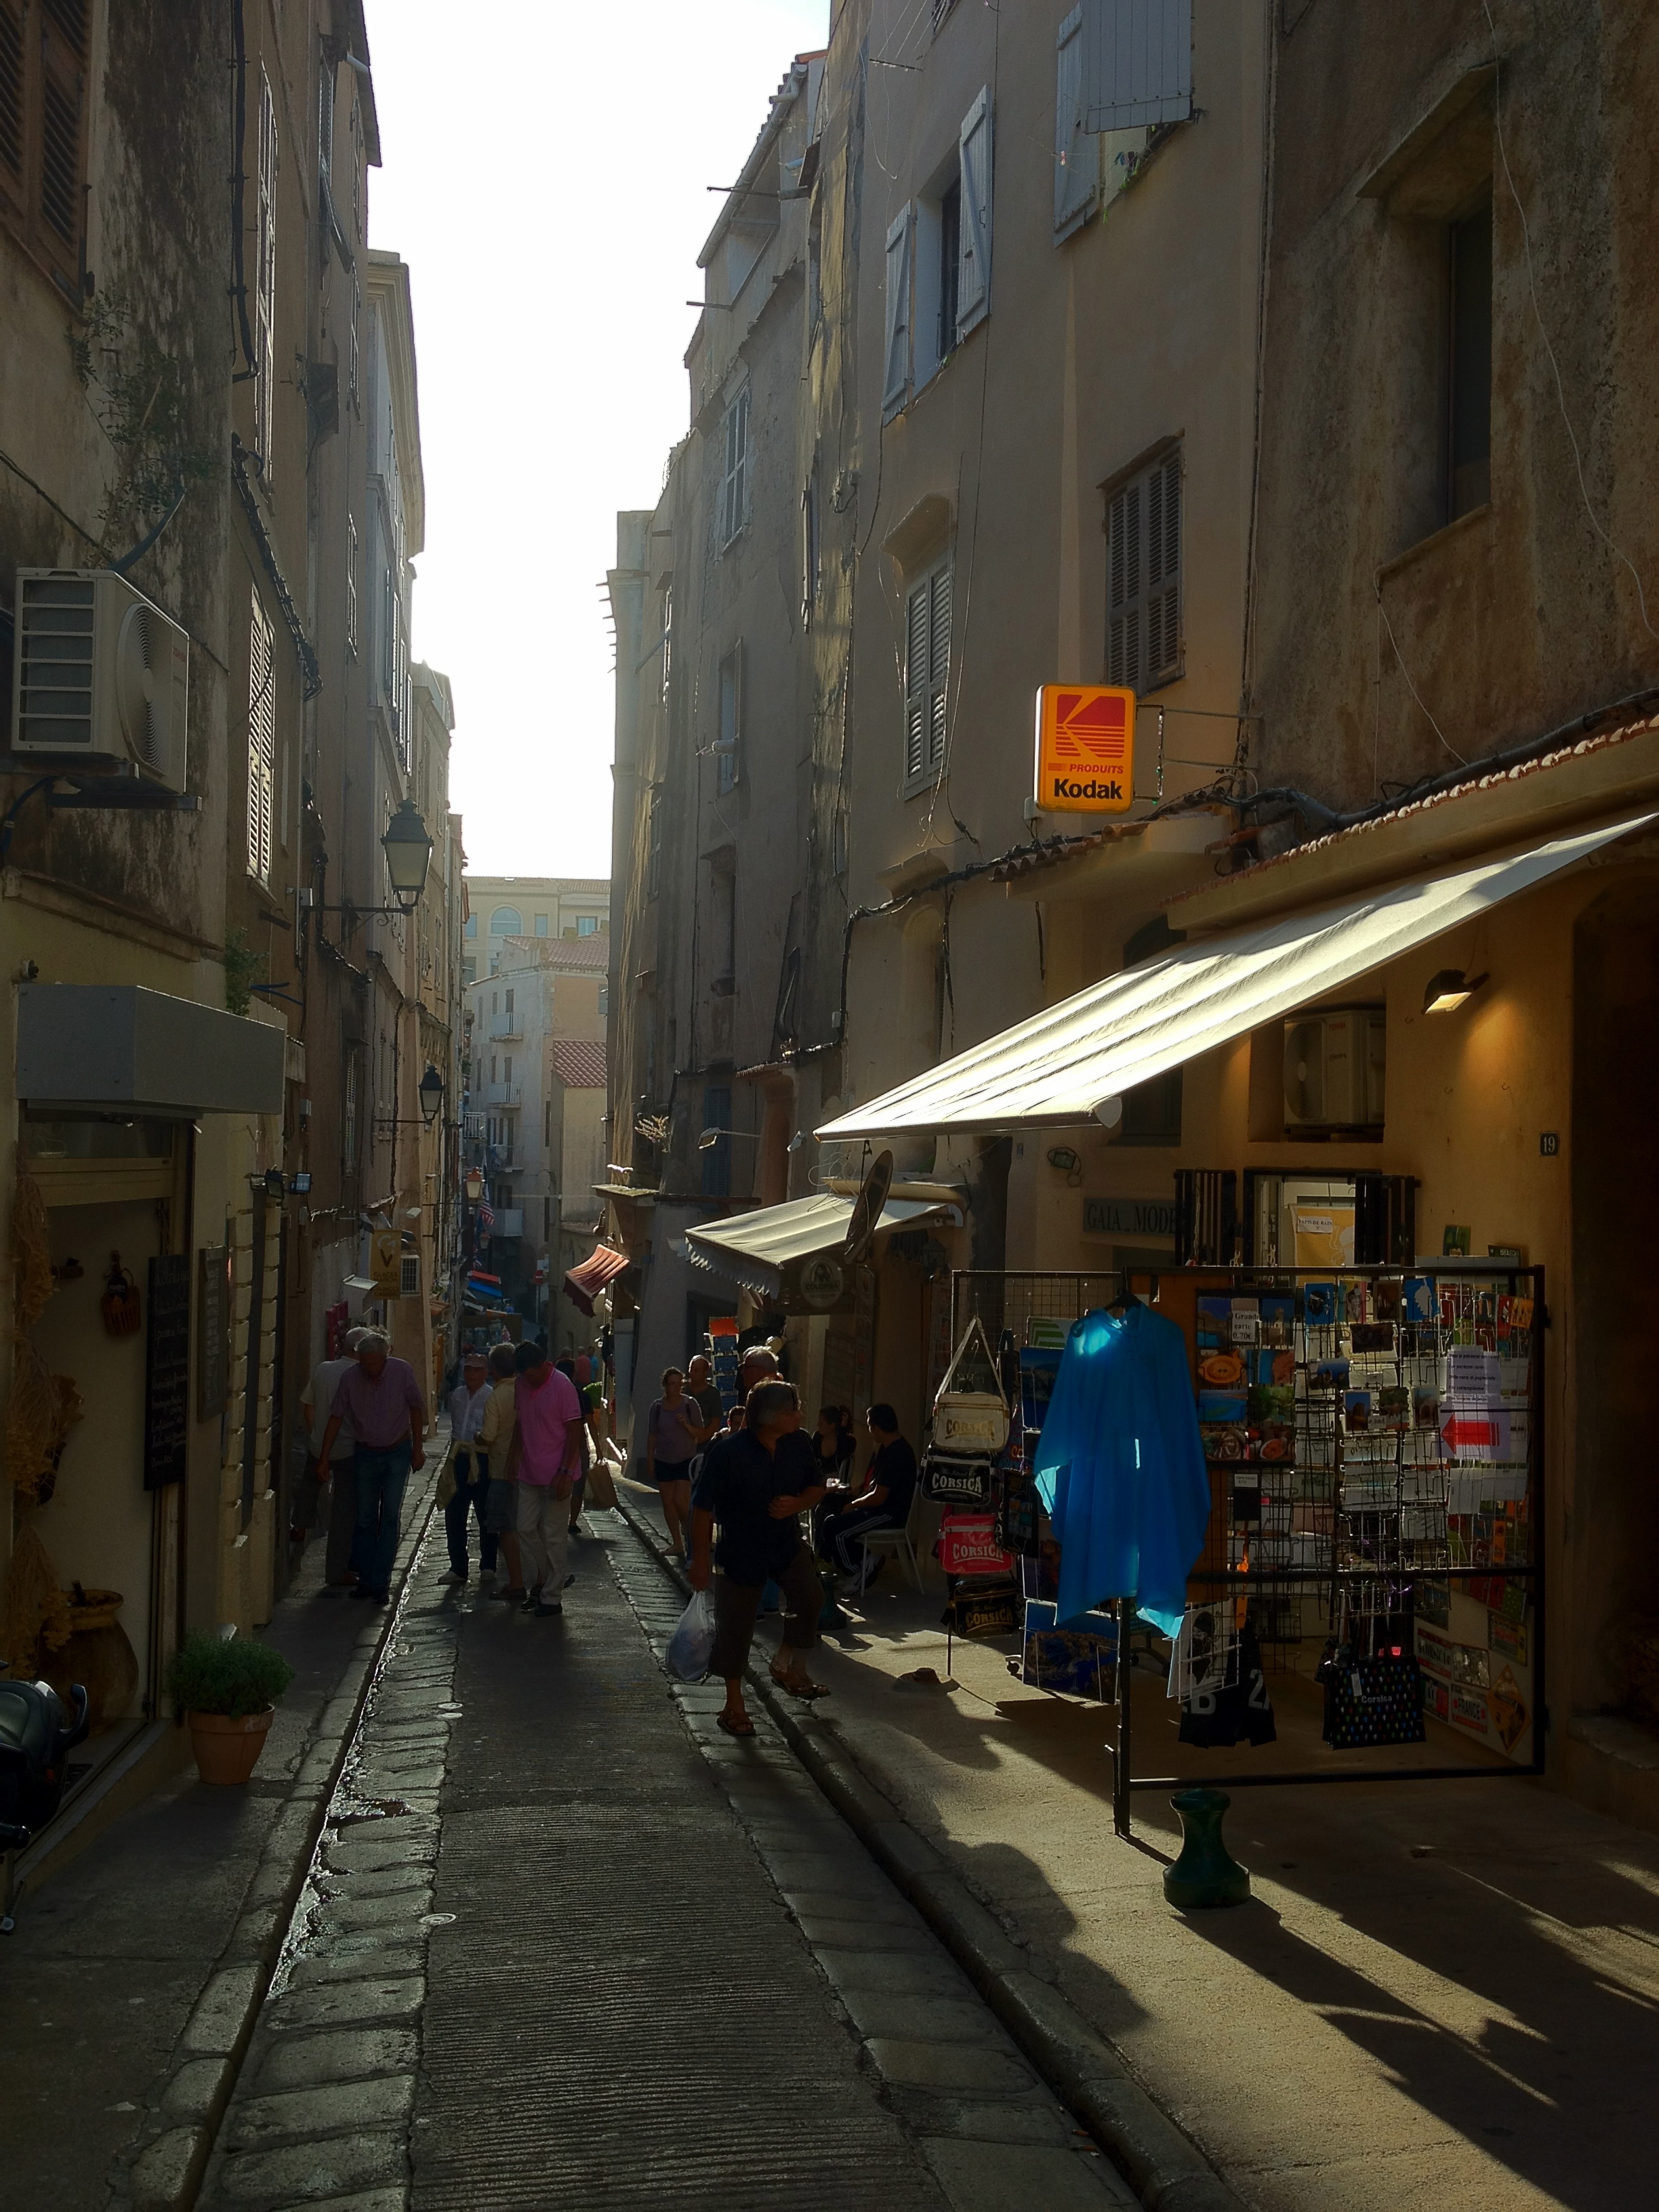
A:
(673, 1430)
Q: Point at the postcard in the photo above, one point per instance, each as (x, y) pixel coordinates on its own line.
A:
(1215, 1322)
(1432, 1603)
(1356, 1412)
(1371, 1336)
(1049, 1334)
(1509, 1712)
(1328, 1375)
(1246, 1505)
(1393, 1406)
(1221, 1406)
(1319, 1304)
(1425, 1409)
(1509, 1638)
(1224, 1440)
(1278, 1317)
(1417, 1300)
(1277, 1368)
(1037, 1370)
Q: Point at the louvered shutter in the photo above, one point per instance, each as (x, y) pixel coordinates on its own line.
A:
(61, 155)
(261, 740)
(11, 100)
(1077, 151)
(1123, 664)
(1163, 560)
(974, 277)
(265, 272)
(895, 385)
(938, 663)
(918, 630)
(1137, 63)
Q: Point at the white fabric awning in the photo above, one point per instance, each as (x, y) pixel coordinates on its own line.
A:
(1059, 1066)
(752, 1249)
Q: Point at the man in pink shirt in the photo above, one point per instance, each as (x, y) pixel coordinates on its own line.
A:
(381, 1400)
(548, 1454)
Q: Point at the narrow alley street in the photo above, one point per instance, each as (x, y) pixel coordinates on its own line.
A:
(564, 1944)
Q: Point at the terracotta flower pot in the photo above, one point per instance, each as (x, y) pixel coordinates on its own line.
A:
(98, 1655)
(228, 1750)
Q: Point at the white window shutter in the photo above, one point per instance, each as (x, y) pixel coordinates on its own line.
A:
(1077, 150)
(895, 388)
(917, 635)
(1137, 63)
(974, 279)
(938, 664)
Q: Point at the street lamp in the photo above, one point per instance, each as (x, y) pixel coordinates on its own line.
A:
(408, 850)
(710, 1137)
(474, 1186)
(431, 1093)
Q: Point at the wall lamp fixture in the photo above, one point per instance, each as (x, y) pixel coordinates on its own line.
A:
(710, 1137)
(1446, 991)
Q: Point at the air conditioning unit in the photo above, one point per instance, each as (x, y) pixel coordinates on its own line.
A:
(100, 676)
(408, 1276)
(1334, 1063)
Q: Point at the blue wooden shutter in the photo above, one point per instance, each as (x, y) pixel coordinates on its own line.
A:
(1137, 63)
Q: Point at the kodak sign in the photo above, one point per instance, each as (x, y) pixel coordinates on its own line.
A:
(1085, 748)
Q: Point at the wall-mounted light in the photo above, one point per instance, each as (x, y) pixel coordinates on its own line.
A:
(431, 1092)
(1446, 991)
(1066, 1162)
(710, 1137)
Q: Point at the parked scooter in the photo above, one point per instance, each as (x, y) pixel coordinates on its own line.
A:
(36, 1737)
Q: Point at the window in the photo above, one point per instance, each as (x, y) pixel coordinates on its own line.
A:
(937, 280)
(351, 587)
(895, 380)
(265, 275)
(729, 742)
(43, 58)
(469, 971)
(654, 846)
(547, 1217)
(506, 921)
(926, 674)
(734, 473)
(587, 925)
(541, 925)
(723, 932)
(1077, 149)
(667, 640)
(605, 1000)
(974, 264)
(348, 1116)
(509, 1002)
(507, 1067)
(547, 1122)
(261, 740)
(469, 927)
(1143, 589)
(1469, 379)
(354, 360)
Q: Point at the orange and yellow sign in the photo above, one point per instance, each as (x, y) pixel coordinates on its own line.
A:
(1085, 748)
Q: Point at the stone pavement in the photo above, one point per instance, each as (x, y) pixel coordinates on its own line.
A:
(565, 1944)
(1444, 1992)
(165, 1926)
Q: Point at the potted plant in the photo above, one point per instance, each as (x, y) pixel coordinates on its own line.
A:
(228, 1689)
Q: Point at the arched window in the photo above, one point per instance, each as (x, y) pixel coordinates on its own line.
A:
(505, 922)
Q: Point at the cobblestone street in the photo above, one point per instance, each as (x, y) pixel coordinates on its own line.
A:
(563, 1943)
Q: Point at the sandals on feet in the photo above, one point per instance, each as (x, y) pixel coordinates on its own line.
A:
(798, 1685)
(724, 1721)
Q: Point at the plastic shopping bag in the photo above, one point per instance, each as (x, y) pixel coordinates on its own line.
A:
(693, 1639)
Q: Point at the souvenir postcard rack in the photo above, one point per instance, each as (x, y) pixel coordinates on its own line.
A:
(1375, 1442)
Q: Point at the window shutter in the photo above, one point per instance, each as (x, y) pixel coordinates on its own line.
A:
(1077, 151)
(938, 659)
(974, 281)
(1143, 592)
(1123, 590)
(265, 272)
(896, 386)
(918, 628)
(1163, 557)
(1137, 63)
(11, 97)
(261, 740)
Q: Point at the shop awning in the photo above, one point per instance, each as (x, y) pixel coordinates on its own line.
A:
(585, 1281)
(752, 1249)
(147, 1052)
(1062, 1065)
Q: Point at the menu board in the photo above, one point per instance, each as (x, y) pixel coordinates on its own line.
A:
(167, 1371)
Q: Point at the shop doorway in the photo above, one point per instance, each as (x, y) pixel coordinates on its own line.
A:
(1608, 1570)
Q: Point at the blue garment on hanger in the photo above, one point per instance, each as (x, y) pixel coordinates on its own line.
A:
(1120, 1465)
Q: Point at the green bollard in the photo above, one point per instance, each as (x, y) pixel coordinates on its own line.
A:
(1205, 1873)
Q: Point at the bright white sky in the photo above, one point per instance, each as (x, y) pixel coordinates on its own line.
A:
(545, 177)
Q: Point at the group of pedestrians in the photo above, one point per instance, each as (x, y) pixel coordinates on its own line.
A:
(522, 1441)
(734, 1487)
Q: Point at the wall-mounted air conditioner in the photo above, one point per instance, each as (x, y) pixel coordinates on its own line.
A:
(1334, 1063)
(100, 676)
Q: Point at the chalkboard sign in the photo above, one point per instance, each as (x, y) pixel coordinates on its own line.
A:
(212, 1332)
(167, 1371)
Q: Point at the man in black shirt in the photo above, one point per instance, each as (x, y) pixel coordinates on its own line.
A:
(890, 1485)
(757, 1483)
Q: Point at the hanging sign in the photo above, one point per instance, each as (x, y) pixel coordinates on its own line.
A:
(1085, 748)
(167, 1371)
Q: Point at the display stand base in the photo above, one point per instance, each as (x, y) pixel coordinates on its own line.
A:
(1205, 1873)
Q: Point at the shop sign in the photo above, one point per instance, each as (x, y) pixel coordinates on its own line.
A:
(1129, 1217)
(821, 1282)
(386, 1262)
(212, 1331)
(1086, 749)
(167, 1371)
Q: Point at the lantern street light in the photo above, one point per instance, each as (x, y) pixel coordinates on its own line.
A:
(408, 850)
(431, 1093)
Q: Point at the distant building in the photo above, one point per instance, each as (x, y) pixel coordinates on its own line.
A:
(529, 906)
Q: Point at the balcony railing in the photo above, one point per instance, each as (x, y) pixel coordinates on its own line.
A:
(501, 1094)
(506, 1029)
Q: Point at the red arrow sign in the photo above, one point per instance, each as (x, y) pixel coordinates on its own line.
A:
(1467, 1433)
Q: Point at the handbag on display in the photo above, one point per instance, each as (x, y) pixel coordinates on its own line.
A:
(948, 1481)
(988, 1609)
(969, 1421)
(1371, 1701)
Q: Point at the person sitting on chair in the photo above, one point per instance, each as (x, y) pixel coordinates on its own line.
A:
(884, 1502)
